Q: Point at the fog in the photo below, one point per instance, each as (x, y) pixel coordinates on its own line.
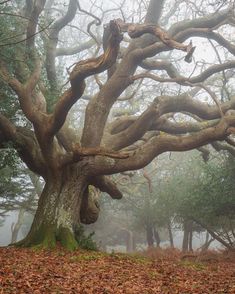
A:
(183, 200)
(130, 224)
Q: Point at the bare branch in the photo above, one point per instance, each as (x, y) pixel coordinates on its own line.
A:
(34, 77)
(189, 81)
(7, 128)
(74, 50)
(137, 30)
(104, 184)
(128, 130)
(163, 143)
(24, 92)
(98, 20)
(53, 40)
(79, 152)
(32, 25)
(80, 72)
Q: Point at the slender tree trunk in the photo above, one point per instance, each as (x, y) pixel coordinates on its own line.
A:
(170, 235)
(129, 245)
(190, 241)
(156, 237)
(149, 235)
(207, 242)
(185, 244)
(65, 203)
(15, 228)
(134, 242)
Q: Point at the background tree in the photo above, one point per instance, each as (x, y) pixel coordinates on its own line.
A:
(72, 158)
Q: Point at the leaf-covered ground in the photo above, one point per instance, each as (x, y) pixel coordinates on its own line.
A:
(38, 271)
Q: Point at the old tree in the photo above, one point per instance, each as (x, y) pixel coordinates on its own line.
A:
(137, 52)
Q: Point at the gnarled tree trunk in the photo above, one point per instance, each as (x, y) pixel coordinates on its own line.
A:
(65, 202)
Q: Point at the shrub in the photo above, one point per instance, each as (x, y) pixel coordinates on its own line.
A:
(85, 241)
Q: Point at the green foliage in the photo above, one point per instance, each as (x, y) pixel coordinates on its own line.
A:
(12, 48)
(8, 157)
(84, 242)
(8, 169)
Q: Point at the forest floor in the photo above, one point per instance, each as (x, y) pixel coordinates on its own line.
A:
(158, 271)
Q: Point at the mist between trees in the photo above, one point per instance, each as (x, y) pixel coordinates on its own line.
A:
(95, 99)
(187, 203)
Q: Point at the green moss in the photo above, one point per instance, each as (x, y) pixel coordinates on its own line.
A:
(66, 238)
(47, 236)
(44, 237)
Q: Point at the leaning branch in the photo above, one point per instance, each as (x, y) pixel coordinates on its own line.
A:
(7, 128)
(80, 72)
(23, 91)
(187, 81)
(33, 22)
(137, 30)
(104, 184)
(78, 153)
(127, 130)
(163, 143)
(53, 41)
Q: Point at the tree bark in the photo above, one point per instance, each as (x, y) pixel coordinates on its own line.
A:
(185, 244)
(207, 242)
(156, 237)
(190, 241)
(171, 239)
(16, 227)
(129, 241)
(66, 201)
(149, 235)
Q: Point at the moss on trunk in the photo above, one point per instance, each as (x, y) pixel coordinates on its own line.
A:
(66, 238)
(47, 237)
(59, 211)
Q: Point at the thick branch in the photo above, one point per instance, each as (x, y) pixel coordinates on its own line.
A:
(167, 126)
(208, 21)
(7, 128)
(79, 152)
(185, 29)
(154, 11)
(81, 71)
(137, 30)
(134, 132)
(99, 107)
(187, 81)
(127, 131)
(53, 40)
(25, 143)
(33, 22)
(104, 184)
(160, 65)
(74, 50)
(24, 92)
(34, 77)
(163, 143)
